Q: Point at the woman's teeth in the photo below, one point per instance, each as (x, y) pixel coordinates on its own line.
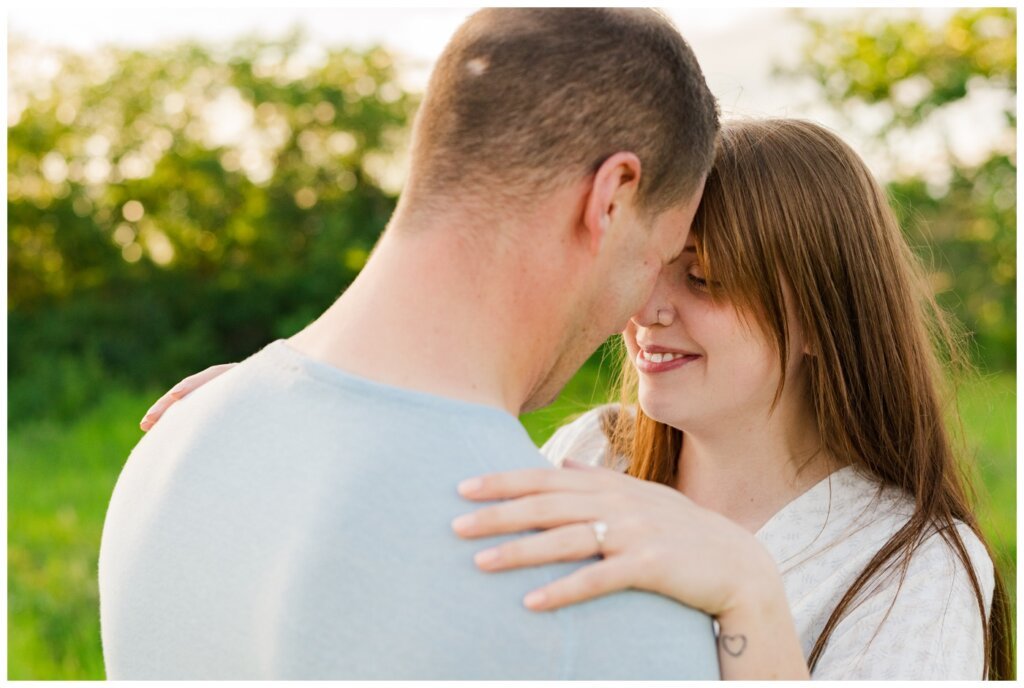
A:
(659, 358)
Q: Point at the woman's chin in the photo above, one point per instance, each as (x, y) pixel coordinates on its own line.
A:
(665, 410)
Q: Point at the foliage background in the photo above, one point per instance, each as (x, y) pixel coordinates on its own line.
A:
(167, 209)
(170, 209)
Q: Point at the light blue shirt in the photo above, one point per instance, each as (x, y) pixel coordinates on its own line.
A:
(289, 520)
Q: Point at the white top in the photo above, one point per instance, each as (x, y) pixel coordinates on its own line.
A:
(821, 541)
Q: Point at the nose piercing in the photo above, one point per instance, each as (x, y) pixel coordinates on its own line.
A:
(664, 316)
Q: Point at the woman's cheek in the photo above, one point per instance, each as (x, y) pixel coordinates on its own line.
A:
(739, 362)
(750, 376)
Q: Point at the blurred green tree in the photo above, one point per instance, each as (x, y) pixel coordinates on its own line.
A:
(172, 208)
(897, 76)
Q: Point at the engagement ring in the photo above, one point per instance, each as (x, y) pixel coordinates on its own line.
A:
(600, 530)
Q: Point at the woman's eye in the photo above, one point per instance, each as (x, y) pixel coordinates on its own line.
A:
(696, 282)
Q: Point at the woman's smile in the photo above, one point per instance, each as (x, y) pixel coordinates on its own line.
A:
(650, 362)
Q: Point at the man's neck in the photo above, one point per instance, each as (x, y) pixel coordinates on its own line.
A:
(437, 313)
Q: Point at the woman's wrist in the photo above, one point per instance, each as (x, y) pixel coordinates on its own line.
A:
(757, 637)
(759, 598)
(756, 584)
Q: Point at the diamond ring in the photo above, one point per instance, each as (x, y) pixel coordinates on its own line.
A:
(600, 530)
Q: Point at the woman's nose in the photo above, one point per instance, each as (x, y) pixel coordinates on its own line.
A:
(657, 311)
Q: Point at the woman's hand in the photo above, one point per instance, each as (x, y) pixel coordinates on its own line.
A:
(180, 391)
(656, 540)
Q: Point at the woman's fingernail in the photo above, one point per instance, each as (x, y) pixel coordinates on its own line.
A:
(572, 463)
(470, 485)
(536, 599)
(487, 557)
(463, 522)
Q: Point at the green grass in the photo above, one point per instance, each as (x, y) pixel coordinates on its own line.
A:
(60, 477)
(59, 480)
(989, 412)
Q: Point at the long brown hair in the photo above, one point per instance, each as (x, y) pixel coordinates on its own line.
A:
(788, 200)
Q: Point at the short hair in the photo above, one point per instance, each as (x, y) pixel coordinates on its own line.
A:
(523, 99)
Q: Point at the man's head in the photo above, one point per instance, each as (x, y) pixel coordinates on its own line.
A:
(524, 100)
(595, 126)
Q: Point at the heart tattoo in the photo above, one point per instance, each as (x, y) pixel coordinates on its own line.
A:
(734, 645)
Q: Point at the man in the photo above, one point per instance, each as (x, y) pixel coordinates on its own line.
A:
(292, 518)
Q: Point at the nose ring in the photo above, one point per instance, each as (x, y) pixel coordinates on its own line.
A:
(664, 316)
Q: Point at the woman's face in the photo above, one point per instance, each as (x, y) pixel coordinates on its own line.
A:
(716, 370)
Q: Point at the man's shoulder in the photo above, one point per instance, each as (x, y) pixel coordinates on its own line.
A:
(639, 635)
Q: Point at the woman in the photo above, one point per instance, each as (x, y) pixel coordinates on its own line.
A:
(780, 458)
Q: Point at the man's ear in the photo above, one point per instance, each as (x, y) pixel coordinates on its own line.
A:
(613, 188)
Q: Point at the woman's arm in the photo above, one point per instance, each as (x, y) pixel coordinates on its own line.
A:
(757, 638)
(656, 540)
(180, 391)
